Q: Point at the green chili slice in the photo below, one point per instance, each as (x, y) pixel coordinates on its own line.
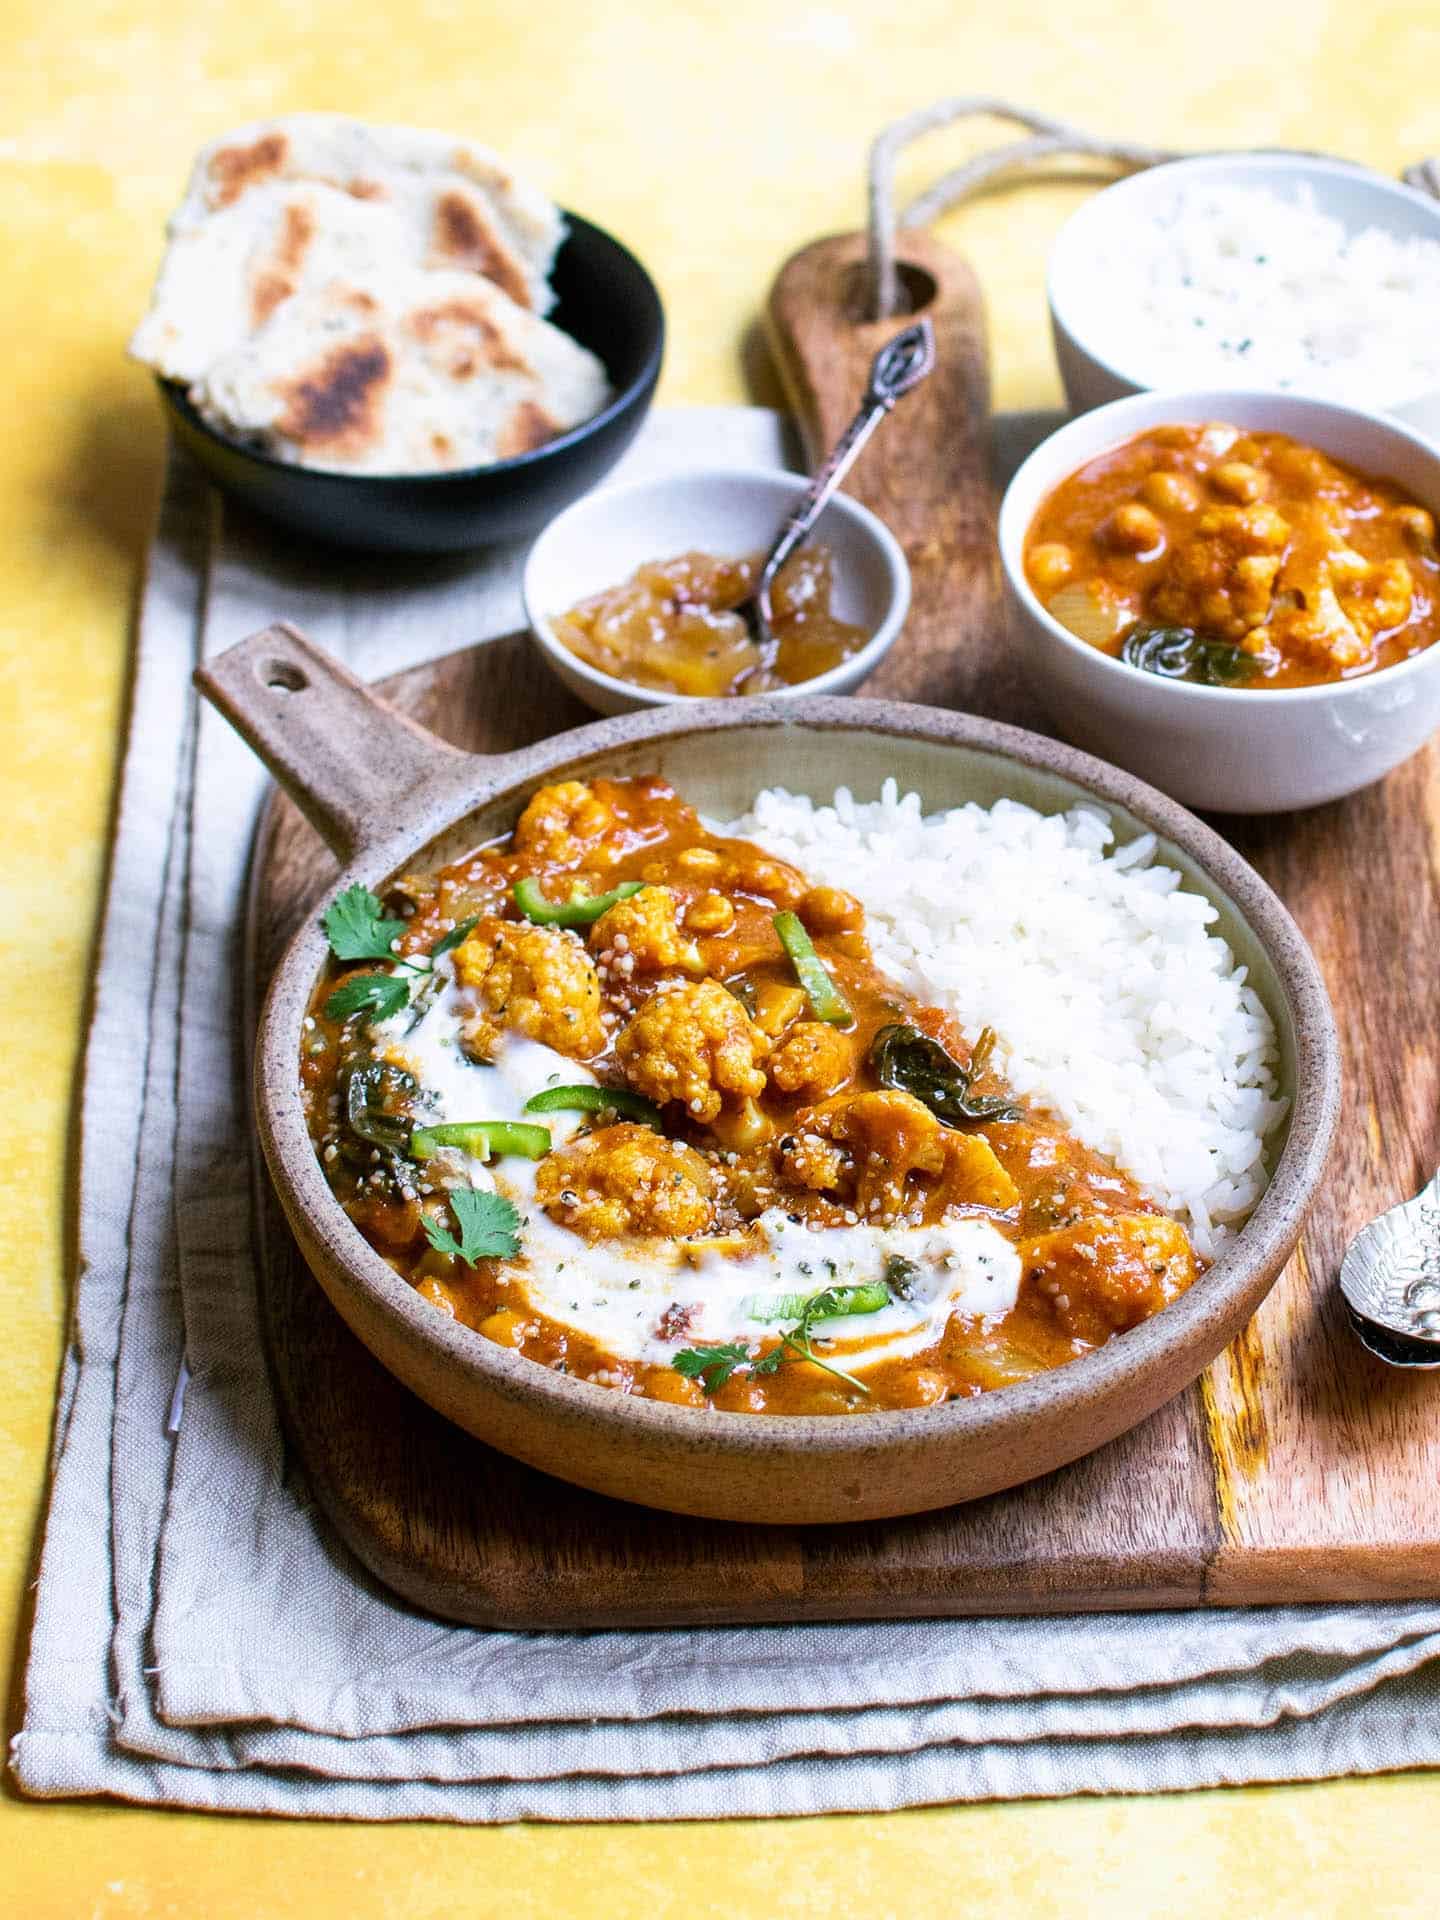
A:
(827, 1002)
(484, 1139)
(588, 1099)
(576, 912)
(835, 1303)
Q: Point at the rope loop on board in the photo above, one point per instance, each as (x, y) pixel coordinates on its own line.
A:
(1046, 140)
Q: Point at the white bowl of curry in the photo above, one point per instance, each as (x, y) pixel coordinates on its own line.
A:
(1234, 594)
(630, 593)
(395, 803)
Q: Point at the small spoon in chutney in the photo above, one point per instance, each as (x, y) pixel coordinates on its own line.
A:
(898, 368)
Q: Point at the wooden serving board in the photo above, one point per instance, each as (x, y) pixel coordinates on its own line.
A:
(1297, 1469)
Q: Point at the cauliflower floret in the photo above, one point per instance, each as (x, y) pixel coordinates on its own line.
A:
(1111, 1271)
(645, 928)
(626, 1179)
(1221, 577)
(871, 1145)
(538, 980)
(812, 1058)
(558, 821)
(1381, 597)
(693, 1042)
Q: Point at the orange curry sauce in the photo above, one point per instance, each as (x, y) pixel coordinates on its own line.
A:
(766, 1106)
(1300, 570)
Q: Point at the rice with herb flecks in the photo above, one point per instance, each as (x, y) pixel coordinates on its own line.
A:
(1237, 283)
(1113, 1003)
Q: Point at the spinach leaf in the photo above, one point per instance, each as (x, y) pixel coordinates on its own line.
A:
(1180, 653)
(911, 1062)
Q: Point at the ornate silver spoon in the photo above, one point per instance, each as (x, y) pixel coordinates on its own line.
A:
(902, 363)
(1390, 1278)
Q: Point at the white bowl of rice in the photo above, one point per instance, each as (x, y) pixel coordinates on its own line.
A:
(1262, 270)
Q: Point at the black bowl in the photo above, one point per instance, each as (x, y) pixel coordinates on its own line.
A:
(604, 299)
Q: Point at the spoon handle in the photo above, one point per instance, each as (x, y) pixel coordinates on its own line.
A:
(899, 365)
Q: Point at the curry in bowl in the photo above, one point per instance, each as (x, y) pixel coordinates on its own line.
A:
(1236, 559)
(654, 1106)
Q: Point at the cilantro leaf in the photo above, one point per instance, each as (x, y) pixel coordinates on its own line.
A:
(356, 927)
(711, 1366)
(375, 995)
(489, 1227)
(449, 941)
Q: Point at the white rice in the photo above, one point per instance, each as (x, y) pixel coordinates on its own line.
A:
(1236, 282)
(1114, 1007)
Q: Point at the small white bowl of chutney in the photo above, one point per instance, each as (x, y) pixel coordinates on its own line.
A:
(677, 648)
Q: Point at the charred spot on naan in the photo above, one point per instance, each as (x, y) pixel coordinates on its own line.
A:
(337, 405)
(463, 237)
(233, 169)
(528, 427)
(277, 277)
(462, 336)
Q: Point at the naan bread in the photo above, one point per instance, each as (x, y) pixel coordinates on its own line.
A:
(409, 372)
(223, 278)
(463, 206)
(366, 298)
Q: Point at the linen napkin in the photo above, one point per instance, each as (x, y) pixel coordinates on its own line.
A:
(202, 1639)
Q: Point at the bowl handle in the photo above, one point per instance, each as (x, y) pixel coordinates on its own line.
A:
(351, 762)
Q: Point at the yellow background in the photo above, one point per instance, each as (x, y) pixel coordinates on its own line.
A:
(716, 136)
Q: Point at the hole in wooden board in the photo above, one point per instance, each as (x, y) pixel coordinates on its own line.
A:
(281, 677)
(917, 287)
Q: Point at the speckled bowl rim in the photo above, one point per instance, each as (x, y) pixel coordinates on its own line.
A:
(1103, 1375)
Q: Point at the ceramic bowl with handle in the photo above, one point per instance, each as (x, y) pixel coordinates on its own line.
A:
(389, 797)
(1230, 749)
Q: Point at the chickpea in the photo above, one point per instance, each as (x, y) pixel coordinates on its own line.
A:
(1246, 449)
(777, 1007)
(1417, 525)
(926, 1387)
(699, 860)
(711, 913)
(1238, 480)
(745, 1396)
(1217, 439)
(1217, 611)
(1051, 565)
(437, 1293)
(505, 1327)
(831, 910)
(1170, 492)
(663, 1383)
(1133, 528)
